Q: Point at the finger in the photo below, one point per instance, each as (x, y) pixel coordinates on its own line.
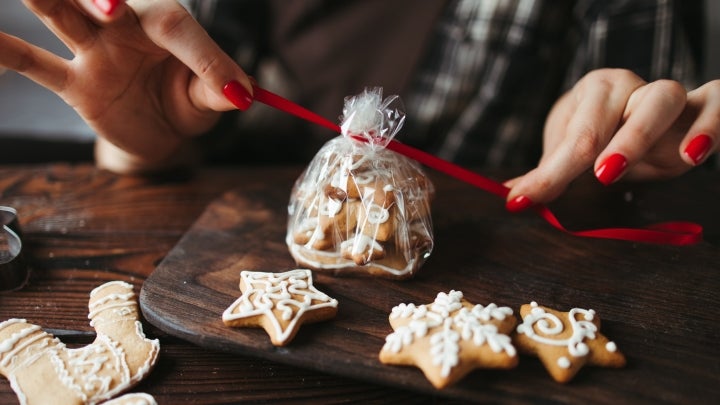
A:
(37, 64)
(103, 10)
(650, 112)
(557, 122)
(703, 135)
(65, 20)
(600, 100)
(69, 21)
(171, 27)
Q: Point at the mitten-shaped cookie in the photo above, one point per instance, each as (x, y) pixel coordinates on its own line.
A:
(42, 370)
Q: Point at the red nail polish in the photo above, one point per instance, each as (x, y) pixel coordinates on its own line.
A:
(236, 93)
(698, 148)
(106, 6)
(611, 168)
(519, 203)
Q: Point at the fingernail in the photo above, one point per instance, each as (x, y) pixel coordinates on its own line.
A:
(518, 204)
(106, 6)
(698, 148)
(236, 93)
(611, 168)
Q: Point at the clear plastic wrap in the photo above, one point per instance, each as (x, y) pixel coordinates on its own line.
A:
(359, 208)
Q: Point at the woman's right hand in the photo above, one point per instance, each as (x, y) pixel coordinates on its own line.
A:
(145, 75)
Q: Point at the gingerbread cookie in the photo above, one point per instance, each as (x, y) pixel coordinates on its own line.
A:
(450, 337)
(42, 370)
(279, 303)
(565, 341)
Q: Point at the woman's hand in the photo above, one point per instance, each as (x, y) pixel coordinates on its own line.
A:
(622, 127)
(145, 75)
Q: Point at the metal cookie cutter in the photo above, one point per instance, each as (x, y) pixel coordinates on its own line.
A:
(13, 271)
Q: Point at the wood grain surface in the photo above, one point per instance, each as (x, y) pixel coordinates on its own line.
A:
(83, 227)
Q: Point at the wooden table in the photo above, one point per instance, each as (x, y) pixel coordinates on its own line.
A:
(83, 227)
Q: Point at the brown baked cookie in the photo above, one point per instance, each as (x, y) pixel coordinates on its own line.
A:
(279, 303)
(42, 370)
(331, 220)
(392, 265)
(337, 219)
(132, 398)
(450, 337)
(375, 221)
(362, 249)
(565, 341)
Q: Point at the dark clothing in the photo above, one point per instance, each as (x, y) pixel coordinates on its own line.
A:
(478, 77)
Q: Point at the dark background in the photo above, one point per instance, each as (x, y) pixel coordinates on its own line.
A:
(36, 126)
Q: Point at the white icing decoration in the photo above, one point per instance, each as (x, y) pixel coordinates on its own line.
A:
(611, 347)
(307, 254)
(133, 398)
(361, 179)
(330, 207)
(267, 291)
(317, 234)
(471, 323)
(9, 343)
(550, 325)
(563, 362)
(449, 322)
(361, 243)
(444, 348)
(377, 214)
(340, 178)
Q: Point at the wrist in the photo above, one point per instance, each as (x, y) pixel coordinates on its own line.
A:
(110, 157)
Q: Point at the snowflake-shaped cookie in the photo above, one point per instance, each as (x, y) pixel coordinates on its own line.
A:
(279, 303)
(450, 337)
(565, 341)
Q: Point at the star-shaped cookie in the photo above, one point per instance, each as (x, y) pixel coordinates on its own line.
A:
(279, 303)
(565, 341)
(450, 337)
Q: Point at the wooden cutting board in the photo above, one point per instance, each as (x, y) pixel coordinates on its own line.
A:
(488, 254)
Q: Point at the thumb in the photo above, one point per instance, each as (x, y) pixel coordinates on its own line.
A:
(219, 83)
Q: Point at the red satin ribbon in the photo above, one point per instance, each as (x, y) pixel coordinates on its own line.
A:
(669, 233)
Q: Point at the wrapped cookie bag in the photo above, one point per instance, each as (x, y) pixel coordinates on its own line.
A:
(359, 208)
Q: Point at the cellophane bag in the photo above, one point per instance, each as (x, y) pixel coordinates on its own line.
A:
(359, 208)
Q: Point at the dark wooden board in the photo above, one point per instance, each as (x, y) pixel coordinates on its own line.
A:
(659, 303)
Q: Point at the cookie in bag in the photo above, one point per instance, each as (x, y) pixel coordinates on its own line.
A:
(359, 208)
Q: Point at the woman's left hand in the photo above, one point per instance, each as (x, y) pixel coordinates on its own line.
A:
(622, 127)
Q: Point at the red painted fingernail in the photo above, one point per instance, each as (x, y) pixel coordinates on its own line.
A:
(236, 93)
(519, 203)
(611, 168)
(106, 6)
(698, 148)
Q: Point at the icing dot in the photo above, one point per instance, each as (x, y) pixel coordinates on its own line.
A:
(582, 349)
(611, 347)
(563, 362)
